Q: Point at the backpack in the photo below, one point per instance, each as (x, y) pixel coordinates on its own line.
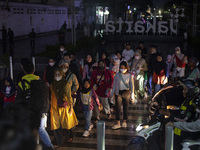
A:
(37, 94)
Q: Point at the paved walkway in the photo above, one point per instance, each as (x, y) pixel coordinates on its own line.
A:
(114, 139)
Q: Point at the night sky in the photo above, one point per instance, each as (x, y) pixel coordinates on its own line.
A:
(159, 3)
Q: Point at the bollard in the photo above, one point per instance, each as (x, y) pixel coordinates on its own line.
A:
(169, 137)
(100, 135)
(11, 67)
(33, 60)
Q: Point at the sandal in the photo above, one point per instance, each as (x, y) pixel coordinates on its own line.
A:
(56, 146)
(115, 127)
(69, 140)
(124, 124)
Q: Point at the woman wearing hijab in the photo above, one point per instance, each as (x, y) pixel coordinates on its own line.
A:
(88, 68)
(69, 76)
(8, 92)
(138, 69)
(62, 113)
(104, 57)
(178, 61)
(49, 71)
(114, 64)
(160, 73)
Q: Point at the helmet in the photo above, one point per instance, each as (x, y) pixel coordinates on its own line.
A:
(194, 60)
(192, 87)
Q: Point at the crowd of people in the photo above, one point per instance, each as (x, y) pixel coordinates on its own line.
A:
(114, 81)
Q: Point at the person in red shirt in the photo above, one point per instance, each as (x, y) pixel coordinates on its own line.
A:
(102, 83)
(8, 92)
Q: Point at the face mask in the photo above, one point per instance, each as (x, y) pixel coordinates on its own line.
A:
(123, 70)
(137, 57)
(177, 52)
(58, 78)
(62, 49)
(51, 64)
(64, 70)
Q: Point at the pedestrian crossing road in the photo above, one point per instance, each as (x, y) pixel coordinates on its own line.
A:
(114, 139)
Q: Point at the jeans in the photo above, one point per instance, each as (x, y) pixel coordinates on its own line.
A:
(43, 133)
(88, 116)
(157, 88)
(149, 85)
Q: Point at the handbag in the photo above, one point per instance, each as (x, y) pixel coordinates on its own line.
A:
(62, 104)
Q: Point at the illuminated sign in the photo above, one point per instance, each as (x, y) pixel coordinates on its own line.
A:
(160, 26)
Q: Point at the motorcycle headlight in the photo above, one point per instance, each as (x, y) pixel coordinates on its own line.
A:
(139, 127)
(145, 127)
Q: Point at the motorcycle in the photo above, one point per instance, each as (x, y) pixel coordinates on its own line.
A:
(149, 134)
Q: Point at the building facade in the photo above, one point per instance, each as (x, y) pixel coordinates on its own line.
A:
(21, 16)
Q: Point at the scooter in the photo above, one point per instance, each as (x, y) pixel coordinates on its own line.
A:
(144, 140)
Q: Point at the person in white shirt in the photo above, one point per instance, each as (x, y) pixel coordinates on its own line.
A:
(128, 53)
(123, 88)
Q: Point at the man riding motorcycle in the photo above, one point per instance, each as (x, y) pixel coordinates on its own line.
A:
(158, 107)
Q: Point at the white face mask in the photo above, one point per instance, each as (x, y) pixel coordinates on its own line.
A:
(178, 52)
(64, 70)
(123, 70)
(51, 64)
(62, 49)
(58, 78)
(137, 57)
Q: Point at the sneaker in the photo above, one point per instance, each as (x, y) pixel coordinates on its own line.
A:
(115, 127)
(124, 124)
(91, 126)
(86, 133)
(134, 101)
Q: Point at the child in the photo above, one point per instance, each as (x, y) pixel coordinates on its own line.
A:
(8, 92)
(88, 100)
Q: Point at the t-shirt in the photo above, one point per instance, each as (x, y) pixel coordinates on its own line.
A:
(127, 55)
(86, 98)
(126, 78)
